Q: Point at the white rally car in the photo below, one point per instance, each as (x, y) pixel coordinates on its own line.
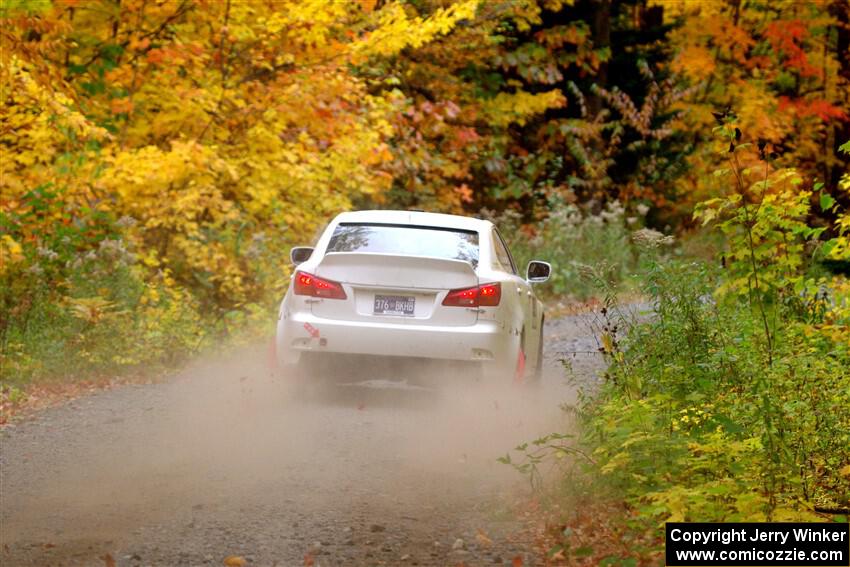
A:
(413, 284)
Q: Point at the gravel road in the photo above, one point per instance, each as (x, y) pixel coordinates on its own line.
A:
(222, 460)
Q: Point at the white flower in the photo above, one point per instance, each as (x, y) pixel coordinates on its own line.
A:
(45, 252)
(126, 222)
(649, 238)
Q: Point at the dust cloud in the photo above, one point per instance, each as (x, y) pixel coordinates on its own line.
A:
(229, 454)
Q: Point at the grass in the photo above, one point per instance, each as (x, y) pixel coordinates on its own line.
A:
(584, 248)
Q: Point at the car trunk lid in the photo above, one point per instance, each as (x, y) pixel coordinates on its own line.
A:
(395, 288)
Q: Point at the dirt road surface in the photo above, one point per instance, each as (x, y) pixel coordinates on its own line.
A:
(222, 460)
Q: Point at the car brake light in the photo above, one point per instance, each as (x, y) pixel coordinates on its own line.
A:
(486, 295)
(489, 295)
(308, 284)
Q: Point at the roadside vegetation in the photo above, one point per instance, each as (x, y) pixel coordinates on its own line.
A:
(728, 399)
(159, 160)
(584, 246)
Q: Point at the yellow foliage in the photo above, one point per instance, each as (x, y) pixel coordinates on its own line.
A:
(527, 13)
(10, 252)
(758, 113)
(396, 30)
(841, 244)
(236, 124)
(695, 62)
(506, 108)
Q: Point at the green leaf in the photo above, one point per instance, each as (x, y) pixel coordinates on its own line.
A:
(810, 233)
(826, 201)
(554, 550)
(9, 8)
(583, 551)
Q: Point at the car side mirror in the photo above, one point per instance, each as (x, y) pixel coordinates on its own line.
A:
(538, 272)
(300, 254)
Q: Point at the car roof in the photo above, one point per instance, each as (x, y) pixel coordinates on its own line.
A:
(419, 218)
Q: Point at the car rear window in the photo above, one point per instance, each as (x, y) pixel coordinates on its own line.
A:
(410, 240)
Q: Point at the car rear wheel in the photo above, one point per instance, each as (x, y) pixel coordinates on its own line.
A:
(305, 377)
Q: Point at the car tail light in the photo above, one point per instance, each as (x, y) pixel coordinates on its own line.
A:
(308, 284)
(490, 294)
(485, 295)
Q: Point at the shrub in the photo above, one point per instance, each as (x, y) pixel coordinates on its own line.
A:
(695, 423)
(76, 300)
(581, 246)
(732, 403)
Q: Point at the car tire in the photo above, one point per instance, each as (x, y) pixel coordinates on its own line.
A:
(301, 377)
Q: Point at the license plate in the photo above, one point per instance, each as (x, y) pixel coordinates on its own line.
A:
(394, 305)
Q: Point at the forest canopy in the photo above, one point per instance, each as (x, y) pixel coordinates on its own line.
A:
(159, 158)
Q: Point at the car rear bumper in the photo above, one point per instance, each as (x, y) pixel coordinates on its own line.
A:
(485, 341)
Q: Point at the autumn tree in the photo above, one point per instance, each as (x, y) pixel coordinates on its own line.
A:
(778, 67)
(518, 107)
(159, 159)
(222, 126)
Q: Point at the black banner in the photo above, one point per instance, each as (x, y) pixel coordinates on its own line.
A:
(762, 544)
